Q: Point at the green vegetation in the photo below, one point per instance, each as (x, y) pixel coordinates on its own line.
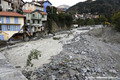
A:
(102, 19)
(105, 7)
(94, 21)
(34, 54)
(56, 38)
(116, 21)
(61, 19)
(91, 22)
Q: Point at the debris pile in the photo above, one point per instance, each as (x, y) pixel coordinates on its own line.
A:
(81, 58)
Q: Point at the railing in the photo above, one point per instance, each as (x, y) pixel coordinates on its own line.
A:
(35, 17)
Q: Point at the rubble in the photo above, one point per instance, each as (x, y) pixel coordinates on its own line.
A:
(78, 60)
(82, 56)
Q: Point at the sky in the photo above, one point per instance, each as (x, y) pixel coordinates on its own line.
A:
(57, 3)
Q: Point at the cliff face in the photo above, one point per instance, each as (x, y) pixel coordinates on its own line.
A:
(55, 27)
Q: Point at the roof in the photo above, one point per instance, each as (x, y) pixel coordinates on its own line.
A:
(44, 13)
(44, 2)
(12, 14)
(27, 11)
(48, 1)
(41, 12)
(59, 9)
(33, 4)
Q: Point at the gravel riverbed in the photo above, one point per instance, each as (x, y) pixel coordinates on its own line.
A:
(76, 55)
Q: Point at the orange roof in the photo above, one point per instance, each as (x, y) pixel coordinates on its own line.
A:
(44, 13)
(27, 11)
(13, 14)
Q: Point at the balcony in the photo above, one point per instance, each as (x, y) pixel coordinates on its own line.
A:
(35, 18)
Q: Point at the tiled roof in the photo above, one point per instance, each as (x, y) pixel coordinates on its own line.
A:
(44, 13)
(13, 14)
(27, 11)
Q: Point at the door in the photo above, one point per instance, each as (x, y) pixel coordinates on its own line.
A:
(2, 37)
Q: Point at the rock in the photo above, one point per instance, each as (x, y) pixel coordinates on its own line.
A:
(78, 76)
(71, 72)
(76, 52)
(52, 77)
(61, 72)
(113, 71)
(83, 52)
(54, 67)
(70, 57)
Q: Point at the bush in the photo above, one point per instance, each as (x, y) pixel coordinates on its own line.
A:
(116, 21)
(34, 54)
(91, 22)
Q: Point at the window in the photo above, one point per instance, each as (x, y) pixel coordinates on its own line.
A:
(0, 28)
(28, 14)
(8, 27)
(28, 21)
(33, 21)
(29, 5)
(33, 15)
(7, 19)
(16, 28)
(16, 20)
(38, 16)
(42, 16)
(38, 21)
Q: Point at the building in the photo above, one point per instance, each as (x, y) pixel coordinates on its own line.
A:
(46, 3)
(5, 5)
(32, 6)
(35, 20)
(17, 5)
(59, 10)
(10, 23)
(11, 5)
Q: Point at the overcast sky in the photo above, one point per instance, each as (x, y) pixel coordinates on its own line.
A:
(61, 2)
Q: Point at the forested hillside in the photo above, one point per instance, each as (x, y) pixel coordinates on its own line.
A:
(96, 7)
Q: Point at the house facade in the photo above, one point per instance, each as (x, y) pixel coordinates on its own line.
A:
(35, 20)
(5, 5)
(10, 23)
(32, 6)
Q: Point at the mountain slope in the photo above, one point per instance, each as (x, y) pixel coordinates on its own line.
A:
(64, 7)
(98, 6)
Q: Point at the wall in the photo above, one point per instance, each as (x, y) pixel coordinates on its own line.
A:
(45, 5)
(5, 5)
(8, 34)
(31, 7)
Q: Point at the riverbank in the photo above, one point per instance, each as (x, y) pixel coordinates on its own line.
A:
(83, 57)
(76, 54)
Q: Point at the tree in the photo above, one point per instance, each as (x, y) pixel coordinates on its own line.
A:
(91, 22)
(102, 19)
(81, 22)
(116, 21)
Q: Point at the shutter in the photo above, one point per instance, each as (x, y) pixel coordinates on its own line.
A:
(11, 28)
(2, 19)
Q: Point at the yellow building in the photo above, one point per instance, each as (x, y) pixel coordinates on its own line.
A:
(32, 6)
(10, 23)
